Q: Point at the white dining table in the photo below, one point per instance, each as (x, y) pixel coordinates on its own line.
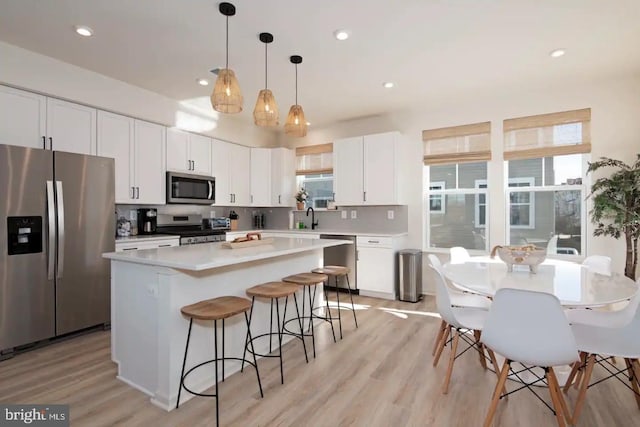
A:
(574, 284)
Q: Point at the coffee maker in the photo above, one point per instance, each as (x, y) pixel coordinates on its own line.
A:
(147, 220)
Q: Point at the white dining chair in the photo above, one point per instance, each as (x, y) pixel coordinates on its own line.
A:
(457, 298)
(530, 328)
(598, 264)
(459, 320)
(611, 334)
(458, 255)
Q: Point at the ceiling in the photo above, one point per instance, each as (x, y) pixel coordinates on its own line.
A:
(433, 50)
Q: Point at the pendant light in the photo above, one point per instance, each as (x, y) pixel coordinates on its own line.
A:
(226, 96)
(296, 124)
(266, 111)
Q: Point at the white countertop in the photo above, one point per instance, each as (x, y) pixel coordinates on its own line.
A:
(309, 231)
(146, 238)
(212, 255)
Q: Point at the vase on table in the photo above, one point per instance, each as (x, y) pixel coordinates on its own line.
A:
(300, 206)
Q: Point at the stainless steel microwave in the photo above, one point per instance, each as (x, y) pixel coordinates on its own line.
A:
(190, 189)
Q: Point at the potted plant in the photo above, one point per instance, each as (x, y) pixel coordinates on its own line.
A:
(301, 198)
(616, 206)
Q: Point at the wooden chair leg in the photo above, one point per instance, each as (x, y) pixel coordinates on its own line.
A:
(583, 360)
(635, 364)
(555, 399)
(483, 361)
(574, 370)
(502, 379)
(443, 342)
(452, 359)
(591, 360)
(443, 326)
(563, 403)
(633, 377)
(494, 362)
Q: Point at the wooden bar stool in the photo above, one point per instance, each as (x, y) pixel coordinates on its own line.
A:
(306, 280)
(215, 309)
(338, 271)
(274, 291)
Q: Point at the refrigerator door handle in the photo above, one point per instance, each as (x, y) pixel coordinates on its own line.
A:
(61, 237)
(51, 239)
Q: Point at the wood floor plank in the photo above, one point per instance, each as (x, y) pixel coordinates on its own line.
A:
(380, 374)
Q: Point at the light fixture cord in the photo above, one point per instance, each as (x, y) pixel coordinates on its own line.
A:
(227, 65)
(265, 66)
(296, 84)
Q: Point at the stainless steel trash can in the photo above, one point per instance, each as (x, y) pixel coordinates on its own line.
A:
(409, 286)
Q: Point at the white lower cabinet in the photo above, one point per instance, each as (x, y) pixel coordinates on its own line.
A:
(377, 265)
(146, 244)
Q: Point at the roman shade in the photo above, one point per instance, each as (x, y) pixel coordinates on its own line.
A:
(547, 135)
(314, 159)
(457, 144)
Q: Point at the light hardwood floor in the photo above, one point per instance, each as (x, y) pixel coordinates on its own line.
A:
(378, 375)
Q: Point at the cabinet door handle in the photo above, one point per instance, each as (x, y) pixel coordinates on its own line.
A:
(133, 192)
(230, 197)
(44, 142)
(252, 198)
(234, 197)
(193, 165)
(137, 192)
(51, 143)
(164, 246)
(364, 196)
(373, 241)
(279, 201)
(130, 249)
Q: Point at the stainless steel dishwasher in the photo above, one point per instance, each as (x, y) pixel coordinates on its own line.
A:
(342, 255)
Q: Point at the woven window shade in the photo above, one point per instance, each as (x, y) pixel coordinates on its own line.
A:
(314, 159)
(457, 144)
(547, 135)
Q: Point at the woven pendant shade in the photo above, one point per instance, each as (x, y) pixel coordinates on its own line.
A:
(266, 111)
(296, 124)
(226, 97)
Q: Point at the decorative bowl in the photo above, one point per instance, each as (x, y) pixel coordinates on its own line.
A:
(520, 255)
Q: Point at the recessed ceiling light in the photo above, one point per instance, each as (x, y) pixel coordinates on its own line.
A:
(341, 34)
(84, 31)
(557, 53)
(388, 85)
(203, 82)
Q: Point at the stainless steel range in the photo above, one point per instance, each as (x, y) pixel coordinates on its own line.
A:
(192, 229)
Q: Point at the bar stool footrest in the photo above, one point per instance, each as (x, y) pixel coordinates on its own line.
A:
(206, 363)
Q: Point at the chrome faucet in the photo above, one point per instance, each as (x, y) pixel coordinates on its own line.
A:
(314, 223)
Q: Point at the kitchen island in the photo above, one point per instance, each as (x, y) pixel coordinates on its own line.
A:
(148, 288)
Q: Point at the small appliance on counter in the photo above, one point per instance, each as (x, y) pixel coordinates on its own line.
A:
(123, 228)
(258, 221)
(147, 221)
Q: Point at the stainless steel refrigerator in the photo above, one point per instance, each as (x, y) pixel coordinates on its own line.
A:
(56, 220)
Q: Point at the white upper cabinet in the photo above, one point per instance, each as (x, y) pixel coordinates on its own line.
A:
(260, 177)
(187, 152)
(32, 120)
(138, 148)
(348, 171)
(368, 170)
(149, 163)
(283, 177)
(240, 169)
(71, 127)
(24, 118)
(115, 140)
(231, 165)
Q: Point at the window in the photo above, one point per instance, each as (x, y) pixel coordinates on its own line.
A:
(314, 170)
(453, 205)
(456, 207)
(547, 154)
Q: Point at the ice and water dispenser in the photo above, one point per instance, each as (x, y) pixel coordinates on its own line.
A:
(24, 235)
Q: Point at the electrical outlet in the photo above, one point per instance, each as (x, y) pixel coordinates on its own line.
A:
(354, 214)
(343, 214)
(212, 214)
(389, 214)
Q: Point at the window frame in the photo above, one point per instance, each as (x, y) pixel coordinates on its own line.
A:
(532, 200)
(301, 179)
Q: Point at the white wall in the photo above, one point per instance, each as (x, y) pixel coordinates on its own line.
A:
(31, 71)
(615, 130)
